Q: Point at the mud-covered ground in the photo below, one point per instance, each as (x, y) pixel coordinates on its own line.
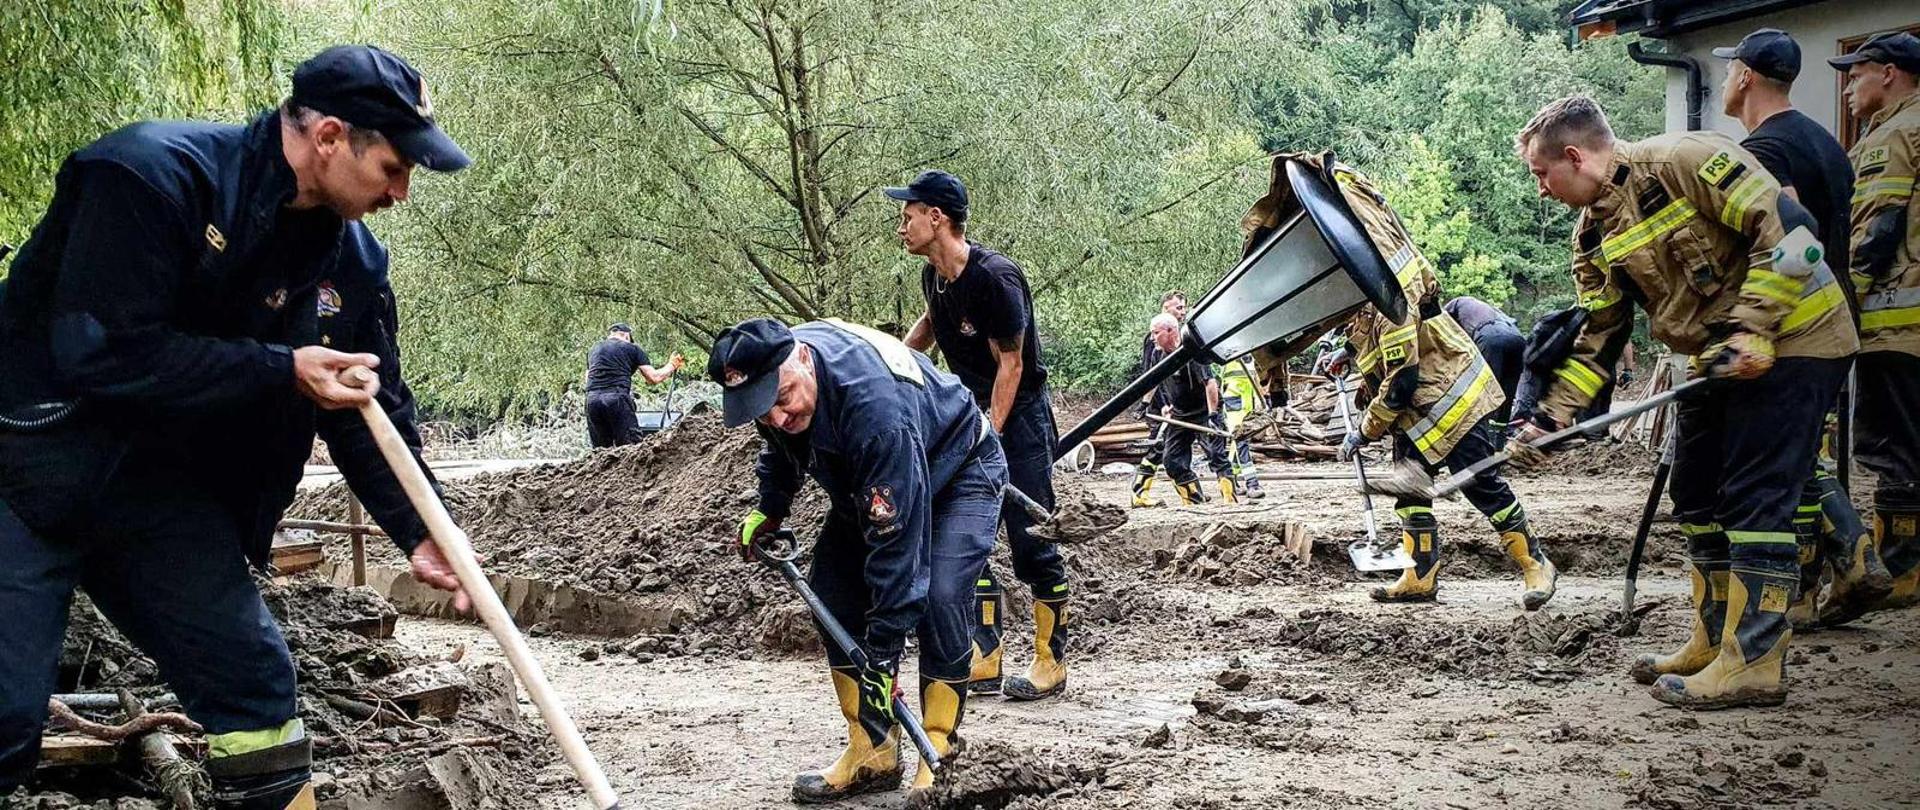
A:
(1210, 670)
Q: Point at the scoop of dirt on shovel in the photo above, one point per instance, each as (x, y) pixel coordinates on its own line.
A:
(992, 775)
(1079, 516)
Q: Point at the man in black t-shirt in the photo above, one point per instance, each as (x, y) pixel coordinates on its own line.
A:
(1174, 303)
(980, 312)
(1813, 169)
(1192, 395)
(611, 364)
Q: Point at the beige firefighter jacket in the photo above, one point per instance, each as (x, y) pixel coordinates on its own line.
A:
(1455, 388)
(1687, 226)
(1884, 164)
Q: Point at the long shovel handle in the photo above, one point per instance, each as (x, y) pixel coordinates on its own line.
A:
(1035, 512)
(902, 712)
(1212, 431)
(1359, 467)
(1660, 472)
(1460, 479)
(458, 550)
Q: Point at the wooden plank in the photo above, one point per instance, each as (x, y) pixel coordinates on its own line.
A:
(293, 557)
(73, 750)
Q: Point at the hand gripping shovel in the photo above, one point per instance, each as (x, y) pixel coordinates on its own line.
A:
(458, 550)
(778, 550)
(1368, 554)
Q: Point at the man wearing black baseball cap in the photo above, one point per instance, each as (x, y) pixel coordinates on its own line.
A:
(1812, 168)
(914, 475)
(980, 313)
(611, 364)
(1882, 91)
(161, 344)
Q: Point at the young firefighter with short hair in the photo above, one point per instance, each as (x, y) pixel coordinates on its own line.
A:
(1692, 228)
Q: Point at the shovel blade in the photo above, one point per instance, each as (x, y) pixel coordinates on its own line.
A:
(1407, 479)
(1367, 556)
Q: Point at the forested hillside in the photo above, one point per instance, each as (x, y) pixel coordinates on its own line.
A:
(682, 164)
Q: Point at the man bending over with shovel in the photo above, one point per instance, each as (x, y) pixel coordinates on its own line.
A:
(914, 473)
(1428, 385)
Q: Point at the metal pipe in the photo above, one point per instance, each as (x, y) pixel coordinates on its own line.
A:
(1696, 84)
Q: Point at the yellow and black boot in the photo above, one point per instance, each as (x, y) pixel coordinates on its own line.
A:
(871, 762)
(1190, 494)
(989, 605)
(1707, 568)
(942, 706)
(1806, 538)
(1048, 674)
(1751, 663)
(268, 769)
(1229, 492)
(1420, 537)
(1142, 483)
(1860, 576)
(1537, 573)
(1899, 533)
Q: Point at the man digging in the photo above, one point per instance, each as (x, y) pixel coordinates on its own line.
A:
(913, 472)
(1191, 395)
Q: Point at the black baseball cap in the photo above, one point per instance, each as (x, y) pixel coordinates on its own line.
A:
(368, 87)
(621, 327)
(936, 188)
(1897, 48)
(1769, 52)
(745, 361)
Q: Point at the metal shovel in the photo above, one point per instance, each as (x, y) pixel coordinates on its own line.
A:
(1368, 554)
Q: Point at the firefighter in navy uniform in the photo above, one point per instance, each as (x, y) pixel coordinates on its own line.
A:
(1883, 88)
(156, 338)
(980, 313)
(1691, 227)
(914, 473)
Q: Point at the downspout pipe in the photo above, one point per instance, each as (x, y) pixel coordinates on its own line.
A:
(1696, 84)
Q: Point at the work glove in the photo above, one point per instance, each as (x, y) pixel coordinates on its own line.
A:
(1522, 453)
(1350, 446)
(756, 524)
(878, 688)
(1741, 356)
(1337, 363)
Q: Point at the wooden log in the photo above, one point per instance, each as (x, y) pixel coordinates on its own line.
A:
(174, 775)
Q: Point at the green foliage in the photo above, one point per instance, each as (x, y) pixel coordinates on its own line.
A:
(688, 164)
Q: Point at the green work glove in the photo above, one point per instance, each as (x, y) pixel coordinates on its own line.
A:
(755, 524)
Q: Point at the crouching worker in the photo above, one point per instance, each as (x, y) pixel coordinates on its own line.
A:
(1428, 385)
(914, 474)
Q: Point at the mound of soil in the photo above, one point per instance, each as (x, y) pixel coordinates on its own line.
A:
(1544, 646)
(990, 774)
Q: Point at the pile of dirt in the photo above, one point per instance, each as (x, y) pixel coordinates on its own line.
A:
(659, 522)
(1608, 457)
(1240, 553)
(990, 775)
(1542, 647)
(380, 713)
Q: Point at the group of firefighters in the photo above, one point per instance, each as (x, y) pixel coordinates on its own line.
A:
(175, 333)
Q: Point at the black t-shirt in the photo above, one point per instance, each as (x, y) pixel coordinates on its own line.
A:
(1149, 355)
(610, 366)
(989, 301)
(1800, 153)
(1186, 390)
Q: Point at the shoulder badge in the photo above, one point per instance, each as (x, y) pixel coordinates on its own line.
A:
(1719, 168)
(1874, 157)
(880, 508)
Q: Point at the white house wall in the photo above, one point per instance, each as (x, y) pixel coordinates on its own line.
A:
(1818, 28)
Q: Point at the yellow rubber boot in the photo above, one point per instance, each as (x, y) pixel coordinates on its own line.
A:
(1142, 483)
(871, 762)
(1048, 675)
(1751, 661)
(1537, 573)
(1227, 491)
(941, 708)
(1899, 533)
(1420, 537)
(1190, 493)
(984, 677)
(1707, 568)
(1860, 576)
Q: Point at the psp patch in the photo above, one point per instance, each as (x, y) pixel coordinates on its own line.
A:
(329, 300)
(1719, 167)
(880, 509)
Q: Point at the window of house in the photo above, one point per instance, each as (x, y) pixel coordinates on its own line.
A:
(1849, 126)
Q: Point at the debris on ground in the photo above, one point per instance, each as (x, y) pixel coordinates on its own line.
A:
(990, 775)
